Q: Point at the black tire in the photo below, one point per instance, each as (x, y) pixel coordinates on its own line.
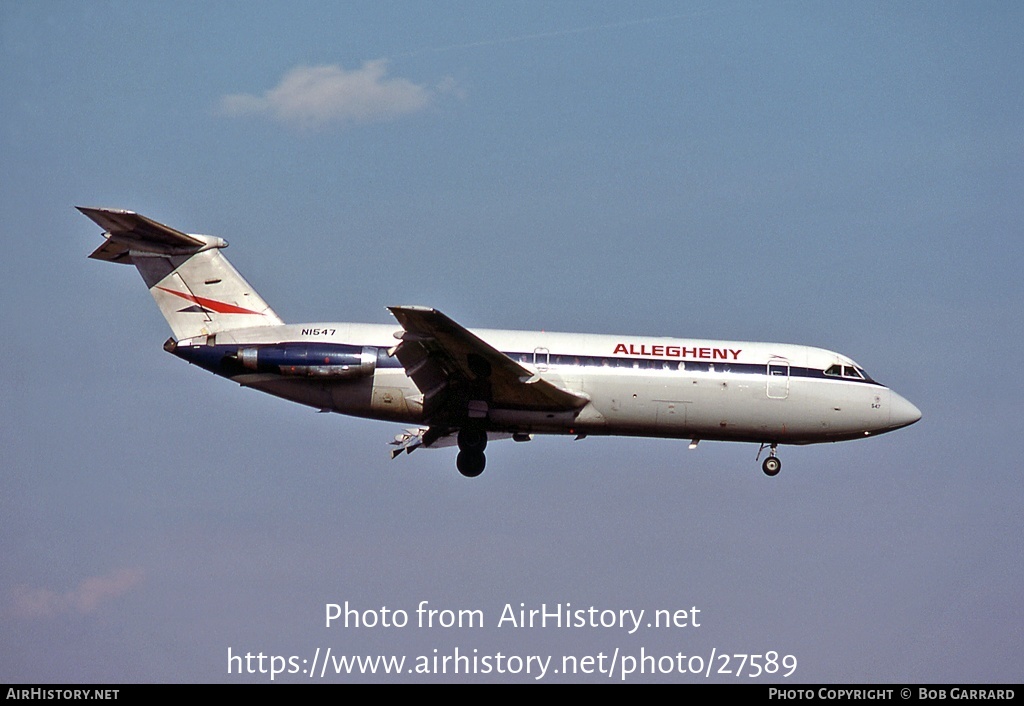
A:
(470, 463)
(771, 466)
(473, 439)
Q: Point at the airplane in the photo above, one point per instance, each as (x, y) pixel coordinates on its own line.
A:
(465, 388)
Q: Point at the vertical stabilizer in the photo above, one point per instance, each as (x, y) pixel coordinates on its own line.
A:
(196, 288)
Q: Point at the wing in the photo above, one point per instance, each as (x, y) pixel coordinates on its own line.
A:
(430, 437)
(457, 371)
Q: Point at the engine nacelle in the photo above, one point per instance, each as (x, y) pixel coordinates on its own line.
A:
(320, 360)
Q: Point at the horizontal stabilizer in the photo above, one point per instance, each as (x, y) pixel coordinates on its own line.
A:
(127, 232)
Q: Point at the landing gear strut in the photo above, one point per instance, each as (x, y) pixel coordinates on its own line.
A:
(471, 459)
(772, 465)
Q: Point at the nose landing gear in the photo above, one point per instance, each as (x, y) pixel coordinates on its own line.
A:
(772, 465)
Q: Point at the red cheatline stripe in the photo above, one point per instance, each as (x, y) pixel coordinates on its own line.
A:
(219, 307)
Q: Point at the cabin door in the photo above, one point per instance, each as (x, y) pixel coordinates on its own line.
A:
(778, 378)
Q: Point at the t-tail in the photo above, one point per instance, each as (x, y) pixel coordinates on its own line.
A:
(196, 288)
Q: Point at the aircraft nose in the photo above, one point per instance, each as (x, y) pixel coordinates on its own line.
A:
(902, 412)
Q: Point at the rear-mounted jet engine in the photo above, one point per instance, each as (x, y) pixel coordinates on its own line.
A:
(310, 360)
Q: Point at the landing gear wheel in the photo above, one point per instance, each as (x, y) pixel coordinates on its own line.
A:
(471, 463)
(771, 466)
(472, 439)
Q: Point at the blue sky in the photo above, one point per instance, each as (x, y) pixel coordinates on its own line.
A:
(846, 176)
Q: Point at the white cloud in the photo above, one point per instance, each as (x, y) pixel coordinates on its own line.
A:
(87, 597)
(315, 96)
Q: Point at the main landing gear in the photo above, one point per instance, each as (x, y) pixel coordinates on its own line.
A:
(772, 465)
(471, 459)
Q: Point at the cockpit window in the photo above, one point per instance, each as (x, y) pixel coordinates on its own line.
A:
(850, 372)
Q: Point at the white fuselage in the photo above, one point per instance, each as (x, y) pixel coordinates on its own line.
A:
(636, 386)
